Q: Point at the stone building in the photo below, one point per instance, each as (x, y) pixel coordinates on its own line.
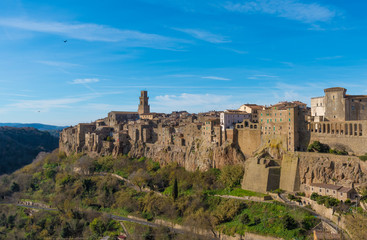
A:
(144, 107)
(229, 118)
(340, 120)
(336, 191)
(336, 105)
(253, 109)
(285, 122)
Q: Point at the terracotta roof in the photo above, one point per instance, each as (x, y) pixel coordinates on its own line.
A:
(328, 186)
(356, 96)
(118, 112)
(345, 189)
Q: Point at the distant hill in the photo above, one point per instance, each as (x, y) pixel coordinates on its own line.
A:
(39, 126)
(53, 130)
(19, 146)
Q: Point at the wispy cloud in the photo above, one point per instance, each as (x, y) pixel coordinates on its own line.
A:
(290, 9)
(216, 78)
(93, 32)
(85, 80)
(329, 58)
(47, 104)
(204, 35)
(58, 64)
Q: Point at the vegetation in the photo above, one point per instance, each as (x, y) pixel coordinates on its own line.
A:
(316, 146)
(325, 200)
(83, 189)
(19, 146)
(363, 157)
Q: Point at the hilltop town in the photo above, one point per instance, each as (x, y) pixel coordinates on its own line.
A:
(271, 141)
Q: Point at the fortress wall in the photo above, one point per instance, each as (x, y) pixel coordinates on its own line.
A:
(350, 135)
(256, 176)
(289, 177)
(273, 178)
(248, 140)
(260, 178)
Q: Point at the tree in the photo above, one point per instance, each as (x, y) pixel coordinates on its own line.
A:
(97, 226)
(14, 187)
(316, 146)
(139, 178)
(289, 223)
(244, 219)
(175, 190)
(231, 175)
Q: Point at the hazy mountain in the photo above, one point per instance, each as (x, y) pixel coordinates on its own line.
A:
(39, 126)
(53, 130)
(19, 146)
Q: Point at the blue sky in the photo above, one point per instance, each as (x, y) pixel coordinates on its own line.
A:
(190, 55)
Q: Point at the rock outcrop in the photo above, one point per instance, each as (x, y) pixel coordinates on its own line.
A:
(332, 169)
(200, 156)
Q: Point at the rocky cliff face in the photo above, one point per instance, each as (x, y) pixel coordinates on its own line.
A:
(329, 168)
(199, 156)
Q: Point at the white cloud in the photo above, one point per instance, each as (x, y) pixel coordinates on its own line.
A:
(58, 64)
(85, 80)
(290, 9)
(204, 35)
(47, 104)
(329, 58)
(217, 78)
(92, 32)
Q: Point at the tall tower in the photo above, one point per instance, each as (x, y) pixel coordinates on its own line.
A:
(144, 106)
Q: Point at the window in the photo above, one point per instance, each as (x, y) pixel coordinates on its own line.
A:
(267, 120)
(289, 119)
(280, 119)
(334, 192)
(341, 194)
(320, 190)
(352, 107)
(275, 114)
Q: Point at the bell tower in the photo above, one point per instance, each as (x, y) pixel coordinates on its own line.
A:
(143, 105)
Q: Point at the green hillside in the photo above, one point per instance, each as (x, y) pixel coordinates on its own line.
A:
(19, 146)
(84, 191)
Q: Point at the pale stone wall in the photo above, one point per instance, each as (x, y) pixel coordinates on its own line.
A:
(289, 177)
(259, 177)
(249, 139)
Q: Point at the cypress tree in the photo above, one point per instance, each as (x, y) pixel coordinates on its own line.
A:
(175, 190)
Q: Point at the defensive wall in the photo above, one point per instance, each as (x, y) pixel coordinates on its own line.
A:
(346, 135)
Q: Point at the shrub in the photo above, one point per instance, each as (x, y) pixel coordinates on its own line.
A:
(316, 146)
(244, 219)
(289, 223)
(363, 158)
(301, 194)
(231, 175)
(14, 187)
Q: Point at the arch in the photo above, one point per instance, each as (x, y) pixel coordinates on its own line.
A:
(360, 130)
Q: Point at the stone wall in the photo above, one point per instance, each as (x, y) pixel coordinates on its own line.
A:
(248, 140)
(289, 177)
(260, 176)
(348, 135)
